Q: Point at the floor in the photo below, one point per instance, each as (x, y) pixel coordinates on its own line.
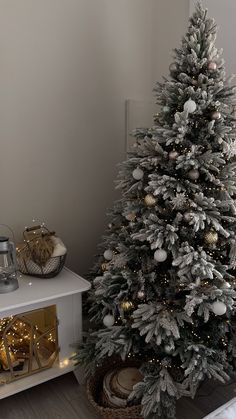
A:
(63, 398)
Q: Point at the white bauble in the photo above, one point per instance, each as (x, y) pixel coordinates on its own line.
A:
(166, 109)
(109, 320)
(193, 174)
(108, 254)
(160, 255)
(138, 174)
(190, 106)
(168, 349)
(219, 308)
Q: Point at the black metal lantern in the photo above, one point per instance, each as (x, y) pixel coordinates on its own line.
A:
(8, 266)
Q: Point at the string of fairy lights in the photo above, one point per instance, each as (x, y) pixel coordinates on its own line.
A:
(16, 336)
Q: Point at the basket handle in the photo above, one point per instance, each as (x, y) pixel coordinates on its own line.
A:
(28, 229)
(46, 232)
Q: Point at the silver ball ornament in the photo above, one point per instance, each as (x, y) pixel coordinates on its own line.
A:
(219, 308)
(108, 254)
(141, 295)
(131, 216)
(212, 66)
(215, 115)
(138, 174)
(109, 320)
(188, 216)
(160, 255)
(190, 106)
(173, 155)
(193, 174)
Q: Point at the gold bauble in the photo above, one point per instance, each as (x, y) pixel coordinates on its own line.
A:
(104, 266)
(126, 305)
(150, 200)
(211, 237)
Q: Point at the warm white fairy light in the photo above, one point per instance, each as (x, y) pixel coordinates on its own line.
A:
(64, 363)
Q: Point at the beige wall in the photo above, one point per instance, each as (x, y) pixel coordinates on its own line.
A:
(170, 20)
(67, 67)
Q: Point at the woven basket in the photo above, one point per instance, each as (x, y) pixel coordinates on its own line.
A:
(94, 388)
(52, 268)
(28, 265)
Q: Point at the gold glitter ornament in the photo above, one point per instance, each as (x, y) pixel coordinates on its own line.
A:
(150, 200)
(104, 266)
(126, 305)
(211, 237)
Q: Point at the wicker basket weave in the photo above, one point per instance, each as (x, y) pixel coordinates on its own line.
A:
(27, 263)
(94, 390)
(52, 268)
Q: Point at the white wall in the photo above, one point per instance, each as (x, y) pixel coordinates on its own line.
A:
(67, 67)
(224, 12)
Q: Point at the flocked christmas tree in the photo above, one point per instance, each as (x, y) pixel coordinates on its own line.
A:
(164, 287)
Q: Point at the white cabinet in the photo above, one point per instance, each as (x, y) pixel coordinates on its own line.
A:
(65, 292)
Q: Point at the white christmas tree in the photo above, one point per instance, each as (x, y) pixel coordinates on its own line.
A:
(164, 286)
